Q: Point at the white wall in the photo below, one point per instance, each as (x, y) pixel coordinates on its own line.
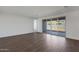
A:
(39, 25)
(35, 25)
(13, 25)
(72, 23)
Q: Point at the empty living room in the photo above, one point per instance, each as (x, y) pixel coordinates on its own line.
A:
(39, 28)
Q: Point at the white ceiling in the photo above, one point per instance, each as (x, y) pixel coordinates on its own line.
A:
(31, 11)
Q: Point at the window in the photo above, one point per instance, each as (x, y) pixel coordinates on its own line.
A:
(61, 25)
(56, 25)
(49, 25)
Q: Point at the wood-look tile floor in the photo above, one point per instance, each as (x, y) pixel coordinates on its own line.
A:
(38, 42)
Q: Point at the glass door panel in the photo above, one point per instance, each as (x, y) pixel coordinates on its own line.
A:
(56, 26)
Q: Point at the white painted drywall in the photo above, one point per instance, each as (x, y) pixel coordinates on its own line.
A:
(72, 25)
(39, 25)
(14, 25)
(31, 11)
(35, 25)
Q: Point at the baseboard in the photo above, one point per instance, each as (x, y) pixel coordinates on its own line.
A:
(15, 35)
(72, 38)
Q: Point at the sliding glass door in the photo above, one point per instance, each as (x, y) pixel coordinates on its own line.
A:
(55, 26)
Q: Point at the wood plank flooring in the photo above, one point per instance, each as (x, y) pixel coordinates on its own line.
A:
(38, 42)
